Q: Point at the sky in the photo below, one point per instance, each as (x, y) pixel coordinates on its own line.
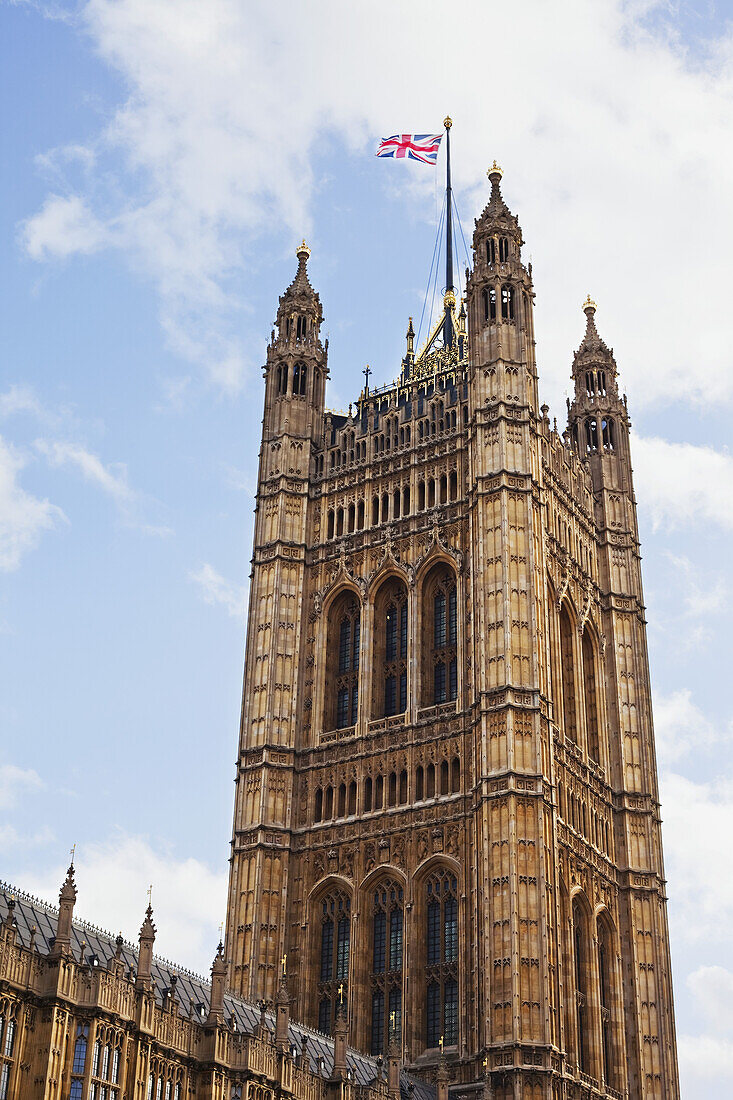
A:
(161, 160)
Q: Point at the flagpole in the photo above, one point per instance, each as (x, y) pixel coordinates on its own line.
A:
(449, 288)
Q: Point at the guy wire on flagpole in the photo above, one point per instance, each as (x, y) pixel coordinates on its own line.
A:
(449, 287)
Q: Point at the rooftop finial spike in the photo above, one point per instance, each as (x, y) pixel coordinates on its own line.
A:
(302, 251)
(494, 173)
(589, 306)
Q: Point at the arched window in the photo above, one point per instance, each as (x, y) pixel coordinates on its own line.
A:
(300, 373)
(341, 812)
(282, 378)
(419, 784)
(339, 521)
(367, 794)
(453, 495)
(392, 796)
(608, 435)
(406, 501)
(386, 973)
(580, 951)
(403, 787)
(420, 496)
(455, 779)
(360, 516)
(440, 638)
(352, 798)
(591, 435)
(302, 328)
(335, 942)
(318, 808)
(441, 970)
(342, 665)
(606, 997)
(488, 296)
(328, 806)
(379, 792)
(331, 523)
(503, 249)
(507, 303)
(591, 699)
(390, 663)
(568, 675)
(491, 251)
(431, 781)
(375, 511)
(590, 383)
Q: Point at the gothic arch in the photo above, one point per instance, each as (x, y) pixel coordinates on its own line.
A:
(382, 957)
(390, 607)
(330, 921)
(590, 668)
(567, 632)
(582, 924)
(438, 633)
(337, 689)
(435, 937)
(610, 1001)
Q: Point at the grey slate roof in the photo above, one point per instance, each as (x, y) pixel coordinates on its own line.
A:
(192, 991)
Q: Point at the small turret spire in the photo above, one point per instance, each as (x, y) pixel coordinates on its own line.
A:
(146, 941)
(218, 979)
(67, 900)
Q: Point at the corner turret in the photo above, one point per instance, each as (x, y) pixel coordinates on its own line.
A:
(67, 900)
(145, 956)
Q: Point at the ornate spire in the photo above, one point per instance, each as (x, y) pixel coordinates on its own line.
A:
(592, 347)
(145, 955)
(496, 216)
(218, 979)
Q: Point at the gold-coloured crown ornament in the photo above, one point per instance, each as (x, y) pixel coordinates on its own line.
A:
(303, 250)
(449, 299)
(589, 306)
(495, 170)
(447, 122)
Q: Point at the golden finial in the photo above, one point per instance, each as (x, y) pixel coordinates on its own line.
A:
(449, 299)
(440, 1044)
(589, 306)
(341, 993)
(495, 170)
(150, 896)
(392, 1020)
(303, 250)
(447, 122)
(284, 963)
(73, 853)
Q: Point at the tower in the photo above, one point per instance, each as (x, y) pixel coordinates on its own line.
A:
(295, 376)
(446, 812)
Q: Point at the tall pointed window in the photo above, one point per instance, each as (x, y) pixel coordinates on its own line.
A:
(605, 981)
(387, 959)
(342, 665)
(507, 303)
(335, 943)
(580, 951)
(491, 251)
(440, 638)
(300, 377)
(591, 698)
(489, 299)
(282, 378)
(390, 688)
(503, 249)
(567, 662)
(441, 970)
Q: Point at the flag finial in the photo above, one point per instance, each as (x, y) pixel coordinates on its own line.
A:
(447, 122)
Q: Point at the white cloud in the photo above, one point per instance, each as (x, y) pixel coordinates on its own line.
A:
(19, 399)
(706, 1067)
(189, 899)
(218, 590)
(23, 517)
(712, 991)
(609, 131)
(17, 783)
(110, 479)
(63, 227)
(680, 726)
(698, 825)
(682, 485)
(701, 596)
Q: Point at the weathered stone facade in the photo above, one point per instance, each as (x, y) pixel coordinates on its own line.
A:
(84, 1016)
(446, 807)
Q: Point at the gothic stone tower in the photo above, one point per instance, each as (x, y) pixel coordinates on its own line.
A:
(446, 808)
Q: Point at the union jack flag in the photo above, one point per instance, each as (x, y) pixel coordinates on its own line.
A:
(422, 147)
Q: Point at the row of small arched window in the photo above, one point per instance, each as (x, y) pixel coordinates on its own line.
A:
(392, 505)
(351, 450)
(431, 781)
(594, 434)
(590, 824)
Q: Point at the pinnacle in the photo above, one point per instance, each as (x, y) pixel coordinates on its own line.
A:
(68, 890)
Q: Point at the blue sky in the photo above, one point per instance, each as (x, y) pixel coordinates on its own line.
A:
(161, 160)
